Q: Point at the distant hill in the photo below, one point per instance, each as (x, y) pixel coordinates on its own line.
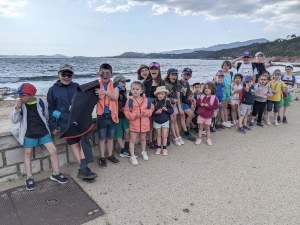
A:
(217, 47)
(34, 56)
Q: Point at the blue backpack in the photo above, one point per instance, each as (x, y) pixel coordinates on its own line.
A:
(130, 104)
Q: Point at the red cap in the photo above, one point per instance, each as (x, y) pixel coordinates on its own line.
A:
(26, 88)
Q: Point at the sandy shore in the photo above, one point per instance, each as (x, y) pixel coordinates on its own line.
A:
(241, 179)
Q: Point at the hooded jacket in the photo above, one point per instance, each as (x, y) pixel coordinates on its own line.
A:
(164, 116)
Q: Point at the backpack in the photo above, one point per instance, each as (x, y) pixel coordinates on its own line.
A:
(42, 104)
(212, 100)
(130, 104)
(293, 79)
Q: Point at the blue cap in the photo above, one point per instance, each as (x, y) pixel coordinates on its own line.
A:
(172, 70)
(187, 70)
(246, 54)
(248, 79)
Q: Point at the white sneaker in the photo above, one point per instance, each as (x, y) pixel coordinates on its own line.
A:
(230, 124)
(226, 125)
(181, 141)
(276, 123)
(268, 122)
(234, 122)
(145, 156)
(133, 160)
(177, 142)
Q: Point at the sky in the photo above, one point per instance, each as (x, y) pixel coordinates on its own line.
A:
(110, 27)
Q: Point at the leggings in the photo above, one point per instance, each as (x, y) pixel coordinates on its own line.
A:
(259, 108)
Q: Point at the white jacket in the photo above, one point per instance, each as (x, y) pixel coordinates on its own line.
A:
(16, 117)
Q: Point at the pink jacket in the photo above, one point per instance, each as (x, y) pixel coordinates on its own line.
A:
(138, 124)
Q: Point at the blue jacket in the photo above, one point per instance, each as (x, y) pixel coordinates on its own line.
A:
(220, 90)
(248, 96)
(59, 98)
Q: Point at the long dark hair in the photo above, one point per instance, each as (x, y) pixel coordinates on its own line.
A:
(210, 86)
(167, 79)
(158, 79)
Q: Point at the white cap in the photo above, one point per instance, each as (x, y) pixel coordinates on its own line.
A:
(289, 65)
(258, 53)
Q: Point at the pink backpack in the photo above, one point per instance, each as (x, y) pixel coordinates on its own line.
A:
(212, 100)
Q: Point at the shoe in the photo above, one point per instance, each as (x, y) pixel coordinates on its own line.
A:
(284, 120)
(204, 133)
(241, 130)
(30, 185)
(190, 137)
(218, 127)
(133, 160)
(177, 141)
(181, 141)
(268, 122)
(198, 141)
(260, 124)
(93, 180)
(86, 173)
(209, 142)
(168, 141)
(265, 118)
(246, 128)
(212, 130)
(60, 178)
(165, 152)
(233, 123)
(158, 151)
(251, 124)
(113, 159)
(102, 163)
(125, 153)
(230, 124)
(144, 155)
(276, 123)
(236, 122)
(151, 145)
(278, 119)
(225, 124)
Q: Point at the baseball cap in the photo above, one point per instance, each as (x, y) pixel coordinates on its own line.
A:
(66, 67)
(187, 70)
(120, 78)
(258, 53)
(277, 71)
(246, 54)
(26, 88)
(172, 70)
(289, 65)
(154, 64)
(220, 73)
(248, 79)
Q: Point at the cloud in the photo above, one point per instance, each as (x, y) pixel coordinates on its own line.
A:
(119, 8)
(90, 3)
(9, 8)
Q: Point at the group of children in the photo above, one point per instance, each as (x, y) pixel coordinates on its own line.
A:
(152, 108)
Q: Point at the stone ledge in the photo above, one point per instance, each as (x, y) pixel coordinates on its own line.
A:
(8, 170)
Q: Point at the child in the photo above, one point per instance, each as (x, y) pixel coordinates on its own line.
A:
(184, 86)
(247, 100)
(161, 118)
(32, 114)
(262, 92)
(207, 103)
(261, 65)
(236, 86)
(174, 93)
(291, 83)
(151, 84)
(138, 117)
(143, 73)
(277, 87)
(59, 98)
(107, 114)
(197, 88)
(123, 125)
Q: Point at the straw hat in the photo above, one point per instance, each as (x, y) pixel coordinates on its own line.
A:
(141, 67)
(161, 89)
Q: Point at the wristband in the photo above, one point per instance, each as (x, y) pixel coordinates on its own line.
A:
(56, 114)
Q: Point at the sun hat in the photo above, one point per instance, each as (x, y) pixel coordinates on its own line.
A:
(289, 65)
(26, 88)
(258, 53)
(172, 70)
(154, 64)
(246, 54)
(161, 89)
(220, 73)
(187, 70)
(142, 67)
(120, 78)
(248, 79)
(277, 71)
(66, 67)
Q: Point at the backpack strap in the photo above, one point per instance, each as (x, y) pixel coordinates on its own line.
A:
(130, 104)
(238, 66)
(149, 103)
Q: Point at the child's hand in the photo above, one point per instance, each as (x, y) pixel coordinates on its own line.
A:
(164, 108)
(145, 114)
(99, 91)
(122, 109)
(175, 101)
(205, 104)
(159, 111)
(202, 104)
(56, 131)
(275, 91)
(138, 115)
(18, 104)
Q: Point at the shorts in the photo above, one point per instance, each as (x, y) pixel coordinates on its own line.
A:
(244, 109)
(185, 107)
(175, 108)
(226, 94)
(201, 120)
(286, 101)
(163, 125)
(234, 102)
(121, 127)
(106, 127)
(32, 142)
(270, 106)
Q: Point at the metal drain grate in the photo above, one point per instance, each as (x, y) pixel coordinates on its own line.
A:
(50, 203)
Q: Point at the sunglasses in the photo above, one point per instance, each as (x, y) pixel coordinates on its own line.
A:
(263, 79)
(69, 75)
(107, 74)
(154, 64)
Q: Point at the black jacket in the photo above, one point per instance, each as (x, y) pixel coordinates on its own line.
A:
(165, 115)
(148, 85)
(248, 96)
(122, 102)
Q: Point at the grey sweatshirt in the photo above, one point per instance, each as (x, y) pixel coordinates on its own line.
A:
(262, 91)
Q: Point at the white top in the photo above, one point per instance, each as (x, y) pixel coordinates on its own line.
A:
(246, 69)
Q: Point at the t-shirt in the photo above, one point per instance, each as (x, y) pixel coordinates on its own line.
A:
(181, 85)
(227, 81)
(220, 90)
(246, 70)
(276, 97)
(289, 85)
(234, 87)
(106, 109)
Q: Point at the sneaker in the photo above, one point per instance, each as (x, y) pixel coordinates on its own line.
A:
(265, 118)
(225, 124)
(278, 119)
(165, 152)
(158, 151)
(60, 178)
(93, 180)
(218, 127)
(176, 142)
(30, 185)
(284, 120)
(251, 124)
(86, 173)
(198, 141)
(144, 155)
(181, 141)
(241, 130)
(209, 142)
(204, 133)
(190, 137)
(246, 128)
(113, 159)
(151, 145)
(260, 124)
(230, 124)
(133, 160)
(268, 122)
(233, 123)
(213, 130)
(125, 153)
(102, 163)
(276, 123)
